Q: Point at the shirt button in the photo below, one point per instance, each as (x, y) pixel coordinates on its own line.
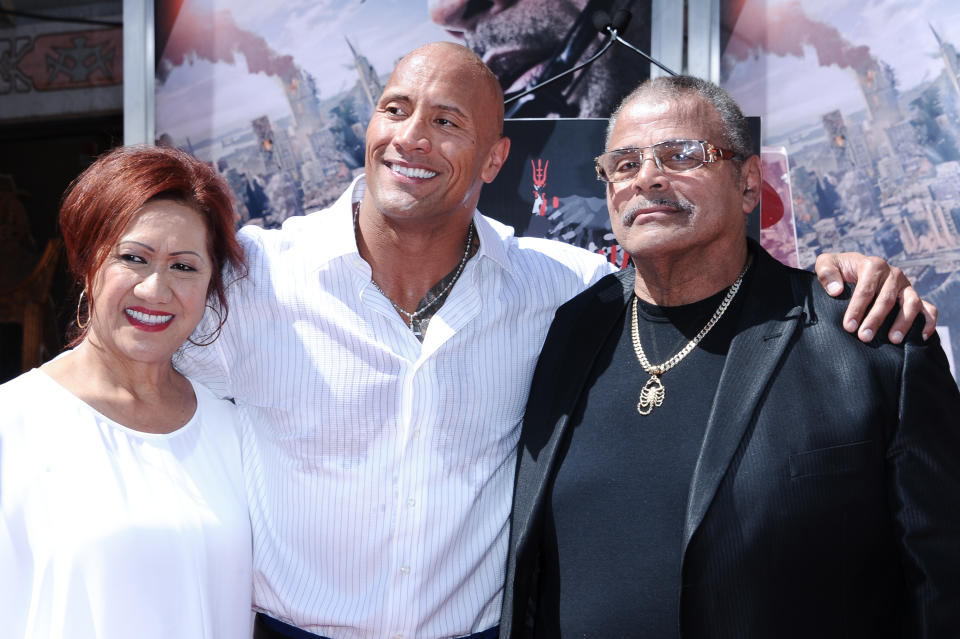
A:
(398, 636)
(405, 570)
(415, 433)
(411, 502)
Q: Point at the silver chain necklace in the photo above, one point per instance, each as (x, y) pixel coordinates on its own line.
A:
(415, 316)
(653, 392)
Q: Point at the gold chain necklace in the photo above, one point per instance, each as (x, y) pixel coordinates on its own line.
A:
(652, 393)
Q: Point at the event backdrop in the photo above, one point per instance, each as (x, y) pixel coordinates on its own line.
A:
(277, 95)
(859, 107)
(862, 102)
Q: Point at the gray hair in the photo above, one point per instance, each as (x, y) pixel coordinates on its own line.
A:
(736, 130)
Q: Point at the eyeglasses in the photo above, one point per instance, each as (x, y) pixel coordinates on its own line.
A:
(672, 156)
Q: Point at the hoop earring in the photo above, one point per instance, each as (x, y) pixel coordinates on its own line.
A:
(216, 332)
(80, 325)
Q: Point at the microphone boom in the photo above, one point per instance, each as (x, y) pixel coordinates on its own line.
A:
(604, 23)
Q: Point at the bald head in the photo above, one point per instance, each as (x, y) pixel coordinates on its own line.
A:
(449, 57)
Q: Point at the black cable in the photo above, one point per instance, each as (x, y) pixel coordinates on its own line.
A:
(617, 38)
(602, 22)
(561, 75)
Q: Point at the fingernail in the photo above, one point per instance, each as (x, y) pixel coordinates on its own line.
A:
(851, 325)
(866, 334)
(834, 288)
(897, 337)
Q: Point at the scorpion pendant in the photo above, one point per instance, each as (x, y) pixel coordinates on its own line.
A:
(651, 395)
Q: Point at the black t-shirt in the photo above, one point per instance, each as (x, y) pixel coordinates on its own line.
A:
(610, 559)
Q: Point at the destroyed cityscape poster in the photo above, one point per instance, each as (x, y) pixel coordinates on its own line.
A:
(863, 100)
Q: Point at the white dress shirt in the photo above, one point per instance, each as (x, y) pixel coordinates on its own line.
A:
(381, 469)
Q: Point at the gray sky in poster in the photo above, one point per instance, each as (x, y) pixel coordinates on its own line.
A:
(793, 91)
(312, 32)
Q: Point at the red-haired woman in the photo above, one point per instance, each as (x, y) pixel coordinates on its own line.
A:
(122, 507)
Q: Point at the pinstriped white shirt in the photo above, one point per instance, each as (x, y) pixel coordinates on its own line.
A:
(379, 469)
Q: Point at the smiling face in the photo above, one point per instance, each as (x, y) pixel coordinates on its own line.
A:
(695, 215)
(151, 290)
(434, 139)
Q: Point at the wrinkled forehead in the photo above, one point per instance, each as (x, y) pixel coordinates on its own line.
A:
(653, 118)
(456, 76)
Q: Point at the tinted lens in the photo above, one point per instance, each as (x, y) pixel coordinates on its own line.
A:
(681, 155)
(618, 166)
(676, 155)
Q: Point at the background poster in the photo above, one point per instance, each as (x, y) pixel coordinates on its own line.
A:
(277, 95)
(545, 190)
(865, 100)
(779, 230)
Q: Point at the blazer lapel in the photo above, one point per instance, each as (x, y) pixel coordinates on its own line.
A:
(766, 327)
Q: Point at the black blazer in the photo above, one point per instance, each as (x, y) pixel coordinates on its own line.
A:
(825, 501)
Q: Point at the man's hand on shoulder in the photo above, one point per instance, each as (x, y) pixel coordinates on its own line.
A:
(878, 286)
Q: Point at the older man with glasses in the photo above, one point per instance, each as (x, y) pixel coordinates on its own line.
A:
(705, 451)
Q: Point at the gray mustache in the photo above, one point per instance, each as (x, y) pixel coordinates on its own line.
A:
(682, 206)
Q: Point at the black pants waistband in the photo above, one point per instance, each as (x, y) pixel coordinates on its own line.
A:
(266, 627)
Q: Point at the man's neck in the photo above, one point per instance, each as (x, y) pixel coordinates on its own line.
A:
(675, 281)
(408, 259)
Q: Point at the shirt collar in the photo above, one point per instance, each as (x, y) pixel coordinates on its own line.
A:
(342, 239)
(339, 240)
(492, 235)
